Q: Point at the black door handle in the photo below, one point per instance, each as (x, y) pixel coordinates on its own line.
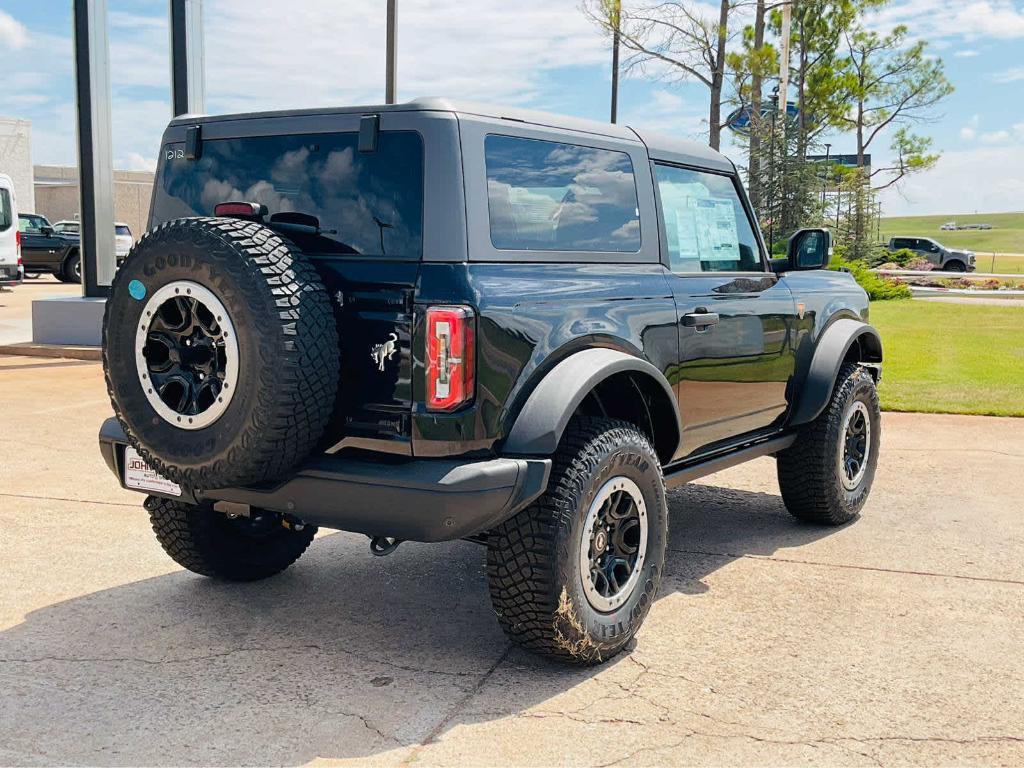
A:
(700, 320)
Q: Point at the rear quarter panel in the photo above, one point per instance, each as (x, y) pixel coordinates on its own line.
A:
(530, 318)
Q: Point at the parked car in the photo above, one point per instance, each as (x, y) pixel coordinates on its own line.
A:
(67, 227)
(11, 271)
(434, 321)
(123, 241)
(46, 250)
(943, 258)
(949, 226)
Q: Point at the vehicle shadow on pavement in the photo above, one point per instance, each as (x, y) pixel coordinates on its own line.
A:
(345, 655)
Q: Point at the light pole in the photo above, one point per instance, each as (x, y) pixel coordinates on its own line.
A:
(616, 7)
(391, 54)
(824, 183)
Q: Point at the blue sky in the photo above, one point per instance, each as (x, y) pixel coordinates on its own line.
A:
(536, 53)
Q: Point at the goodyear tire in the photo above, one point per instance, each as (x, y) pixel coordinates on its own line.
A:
(220, 352)
(826, 475)
(232, 549)
(573, 575)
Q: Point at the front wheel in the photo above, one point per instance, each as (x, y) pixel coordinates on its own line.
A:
(955, 266)
(826, 475)
(573, 575)
(213, 544)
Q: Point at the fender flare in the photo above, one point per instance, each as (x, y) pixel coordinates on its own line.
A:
(540, 424)
(832, 348)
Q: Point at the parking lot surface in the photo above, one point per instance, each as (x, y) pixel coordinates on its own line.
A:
(16, 306)
(896, 640)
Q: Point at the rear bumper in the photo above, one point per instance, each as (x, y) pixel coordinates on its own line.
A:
(10, 274)
(418, 500)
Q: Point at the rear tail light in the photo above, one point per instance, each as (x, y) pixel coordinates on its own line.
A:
(17, 244)
(451, 351)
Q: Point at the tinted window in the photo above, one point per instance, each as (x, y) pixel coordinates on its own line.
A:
(547, 196)
(122, 231)
(900, 242)
(367, 203)
(706, 228)
(5, 210)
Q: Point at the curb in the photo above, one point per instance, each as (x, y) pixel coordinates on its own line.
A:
(28, 349)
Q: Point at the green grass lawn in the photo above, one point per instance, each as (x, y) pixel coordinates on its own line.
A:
(1006, 236)
(951, 358)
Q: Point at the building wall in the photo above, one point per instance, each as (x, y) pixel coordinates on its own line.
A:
(16, 159)
(56, 192)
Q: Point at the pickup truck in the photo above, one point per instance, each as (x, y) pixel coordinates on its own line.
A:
(43, 249)
(946, 259)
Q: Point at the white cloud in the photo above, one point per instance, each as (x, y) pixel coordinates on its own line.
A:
(966, 54)
(498, 52)
(955, 19)
(12, 32)
(970, 131)
(981, 179)
(995, 137)
(1012, 75)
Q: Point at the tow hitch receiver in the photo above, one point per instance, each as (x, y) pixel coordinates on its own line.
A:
(383, 545)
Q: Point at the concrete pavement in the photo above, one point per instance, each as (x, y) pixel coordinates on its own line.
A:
(896, 640)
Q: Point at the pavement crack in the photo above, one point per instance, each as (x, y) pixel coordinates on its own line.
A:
(847, 566)
(77, 501)
(459, 705)
(226, 653)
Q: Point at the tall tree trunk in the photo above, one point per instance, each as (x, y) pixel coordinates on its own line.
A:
(718, 78)
(754, 183)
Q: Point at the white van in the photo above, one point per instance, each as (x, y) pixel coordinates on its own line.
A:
(11, 271)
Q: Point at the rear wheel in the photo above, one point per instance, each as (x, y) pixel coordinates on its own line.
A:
(213, 544)
(826, 475)
(574, 575)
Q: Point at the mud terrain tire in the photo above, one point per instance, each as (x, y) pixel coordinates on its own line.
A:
(534, 559)
(811, 470)
(284, 341)
(212, 544)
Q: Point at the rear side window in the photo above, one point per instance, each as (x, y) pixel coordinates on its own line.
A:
(549, 196)
(706, 226)
(5, 210)
(902, 243)
(368, 204)
(122, 231)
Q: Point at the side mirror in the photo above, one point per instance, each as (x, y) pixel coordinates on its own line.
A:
(47, 231)
(809, 249)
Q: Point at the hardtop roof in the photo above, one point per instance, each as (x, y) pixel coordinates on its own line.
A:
(659, 146)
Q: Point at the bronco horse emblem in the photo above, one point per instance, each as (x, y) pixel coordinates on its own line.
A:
(383, 352)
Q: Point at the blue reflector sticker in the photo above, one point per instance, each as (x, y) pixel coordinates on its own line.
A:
(137, 290)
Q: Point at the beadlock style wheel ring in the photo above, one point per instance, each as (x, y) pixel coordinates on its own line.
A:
(186, 355)
(855, 446)
(613, 544)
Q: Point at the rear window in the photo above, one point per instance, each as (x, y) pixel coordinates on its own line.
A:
(122, 231)
(5, 210)
(370, 204)
(549, 196)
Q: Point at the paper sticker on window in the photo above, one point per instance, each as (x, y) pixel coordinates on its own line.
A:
(717, 230)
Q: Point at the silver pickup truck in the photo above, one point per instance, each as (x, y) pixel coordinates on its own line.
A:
(943, 258)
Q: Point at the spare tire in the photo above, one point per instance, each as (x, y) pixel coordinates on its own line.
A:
(220, 352)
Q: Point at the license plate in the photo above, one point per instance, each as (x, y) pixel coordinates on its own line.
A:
(138, 474)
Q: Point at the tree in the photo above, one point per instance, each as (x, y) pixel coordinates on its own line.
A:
(893, 86)
(679, 38)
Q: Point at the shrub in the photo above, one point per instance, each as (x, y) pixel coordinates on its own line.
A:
(878, 288)
(919, 265)
(900, 258)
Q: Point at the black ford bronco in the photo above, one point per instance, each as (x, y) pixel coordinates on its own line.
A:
(437, 321)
